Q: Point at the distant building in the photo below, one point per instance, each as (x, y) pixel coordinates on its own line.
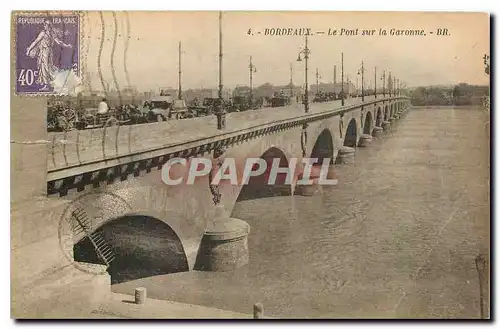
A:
(265, 90)
(349, 88)
(241, 91)
(168, 91)
(290, 90)
(200, 94)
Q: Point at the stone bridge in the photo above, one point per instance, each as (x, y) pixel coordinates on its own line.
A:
(114, 174)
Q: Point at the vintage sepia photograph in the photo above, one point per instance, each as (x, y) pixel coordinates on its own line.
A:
(250, 165)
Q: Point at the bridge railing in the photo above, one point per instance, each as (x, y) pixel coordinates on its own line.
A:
(78, 151)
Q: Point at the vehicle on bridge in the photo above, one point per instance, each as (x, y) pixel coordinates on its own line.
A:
(164, 107)
(60, 118)
(89, 118)
(321, 96)
(280, 100)
(244, 103)
(209, 106)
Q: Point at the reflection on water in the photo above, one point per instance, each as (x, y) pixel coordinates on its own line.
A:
(396, 238)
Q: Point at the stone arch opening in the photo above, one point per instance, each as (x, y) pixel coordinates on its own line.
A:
(386, 113)
(351, 136)
(380, 118)
(391, 111)
(142, 246)
(323, 147)
(258, 186)
(367, 129)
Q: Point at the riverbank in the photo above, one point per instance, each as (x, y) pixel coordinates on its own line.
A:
(122, 306)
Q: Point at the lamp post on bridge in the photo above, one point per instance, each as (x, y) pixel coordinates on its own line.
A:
(362, 73)
(389, 84)
(252, 70)
(221, 112)
(180, 73)
(317, 81)
(306, 53)
(342, 84)
(383, 83)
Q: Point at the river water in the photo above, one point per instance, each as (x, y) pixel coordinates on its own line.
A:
(397, 237)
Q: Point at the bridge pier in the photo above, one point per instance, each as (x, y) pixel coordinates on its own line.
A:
(386, 125)
(378, 132)
(224, 246)
(310, 190)
(391, 120)
(365, 140)
(346, 155)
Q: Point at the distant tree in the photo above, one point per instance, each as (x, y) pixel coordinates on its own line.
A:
(486, 59)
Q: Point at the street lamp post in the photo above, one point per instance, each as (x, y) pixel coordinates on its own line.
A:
(383, 83)
(252, 70)
(317, 81)
(389, 84)
(362, 73)
(342, 84)
(306, 53)
(180, 74)
(221, 113)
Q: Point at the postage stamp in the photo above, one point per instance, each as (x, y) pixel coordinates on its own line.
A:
(47, 53)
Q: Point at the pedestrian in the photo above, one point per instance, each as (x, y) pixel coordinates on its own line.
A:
(103, 107)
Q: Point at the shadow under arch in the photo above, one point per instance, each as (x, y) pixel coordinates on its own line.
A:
(323, 147)
(380, 118)
(143, 246)
(367, 129)
(258, 186)
(392, 110)
(351, 134)
(386, 113)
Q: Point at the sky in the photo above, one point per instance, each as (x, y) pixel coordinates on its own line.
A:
(151, 57)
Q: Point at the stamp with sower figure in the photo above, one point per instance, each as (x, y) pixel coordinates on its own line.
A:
(47, 53)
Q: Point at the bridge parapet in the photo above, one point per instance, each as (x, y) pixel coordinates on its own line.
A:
(84, 157)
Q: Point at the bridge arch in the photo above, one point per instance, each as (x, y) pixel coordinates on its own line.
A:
(379, 118)
(323, 147)
(142, 245)
(258, 186)
(351, 134)
(368, 128)
(386, 113)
